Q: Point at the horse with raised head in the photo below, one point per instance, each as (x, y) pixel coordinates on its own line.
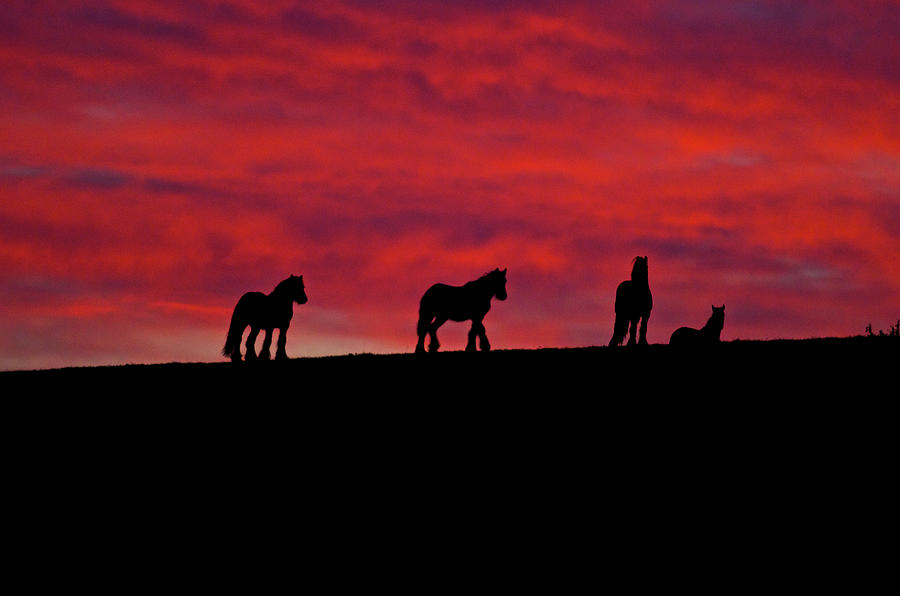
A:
(264, 312)
(472, 301)
(709, 334)
(633, 304)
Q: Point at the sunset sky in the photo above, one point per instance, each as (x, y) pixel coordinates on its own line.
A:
(159, 159)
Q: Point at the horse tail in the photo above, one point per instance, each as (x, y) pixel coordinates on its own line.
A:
(235, 332)
(620, 327)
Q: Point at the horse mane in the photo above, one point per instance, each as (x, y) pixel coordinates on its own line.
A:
(283, 284)
(484, 278)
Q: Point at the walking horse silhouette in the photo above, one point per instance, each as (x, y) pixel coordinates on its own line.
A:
(633, 304)
(471, 301)
(264, 312)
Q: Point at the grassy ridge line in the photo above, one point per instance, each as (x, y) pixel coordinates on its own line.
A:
(731, 356)
(744, 415)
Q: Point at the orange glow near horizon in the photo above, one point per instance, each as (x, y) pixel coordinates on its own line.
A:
(157, 160)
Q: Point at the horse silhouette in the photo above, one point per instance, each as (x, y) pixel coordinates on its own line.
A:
(633, 304)
(709, 334)
(264, 312)
(471, 301)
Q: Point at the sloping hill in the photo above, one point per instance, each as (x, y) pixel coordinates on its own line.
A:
(727, 465)
(652, 371)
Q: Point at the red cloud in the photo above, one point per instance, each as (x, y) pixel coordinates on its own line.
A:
(170, 157)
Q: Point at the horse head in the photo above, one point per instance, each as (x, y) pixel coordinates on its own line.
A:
(500, 283)
(639, 270)
(298, 290)
(718, 315)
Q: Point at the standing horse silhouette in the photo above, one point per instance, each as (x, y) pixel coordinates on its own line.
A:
(264, 312)
(709, 334)
(472, 301)
(633, 304)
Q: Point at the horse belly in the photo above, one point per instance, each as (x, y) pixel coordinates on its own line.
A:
(261, 314)
(633, 300)
(458, 316)
(251, 305)
(624, 299)
(468, 312)
(442, 301)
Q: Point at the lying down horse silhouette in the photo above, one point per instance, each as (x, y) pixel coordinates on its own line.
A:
(709, 334)
(264, 312)
(633, 303)
(471, 301)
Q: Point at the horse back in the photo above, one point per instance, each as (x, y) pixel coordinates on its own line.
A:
(683, 336)
(251, 300)
(457, 303)
(439, 289)
(686, 336)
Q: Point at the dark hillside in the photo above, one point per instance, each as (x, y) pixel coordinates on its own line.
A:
(791, 388)
(731, 369)
(734, 462)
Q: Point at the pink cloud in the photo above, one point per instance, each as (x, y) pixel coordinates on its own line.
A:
(171, 157)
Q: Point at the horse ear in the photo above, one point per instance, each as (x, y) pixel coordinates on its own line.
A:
(504, 271)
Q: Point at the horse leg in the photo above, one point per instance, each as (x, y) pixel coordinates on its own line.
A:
(251, 341)
(643, 340)
(434, 344)
(482, 338)
(474, 332)
(236, 350)
(264, 353)
(632, 332)
(280, 352)
(620, 327)
(422, 330)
